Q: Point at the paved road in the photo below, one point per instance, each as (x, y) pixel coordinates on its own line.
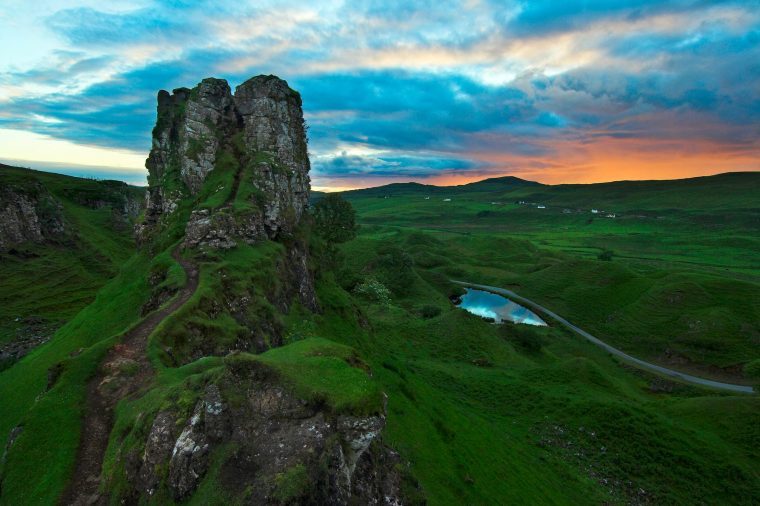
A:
(640, 363)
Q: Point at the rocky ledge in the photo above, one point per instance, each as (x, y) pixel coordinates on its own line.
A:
(264, 445)
(29, 214)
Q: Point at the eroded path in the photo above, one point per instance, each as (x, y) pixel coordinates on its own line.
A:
(109, 386)
(688, 378)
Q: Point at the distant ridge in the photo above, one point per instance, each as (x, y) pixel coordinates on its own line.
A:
(730, 190)
(490, 184)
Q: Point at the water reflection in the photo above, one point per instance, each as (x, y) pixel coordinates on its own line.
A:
(500, 309)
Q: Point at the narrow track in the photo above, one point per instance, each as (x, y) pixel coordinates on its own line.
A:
(688, 378)
(105, 390)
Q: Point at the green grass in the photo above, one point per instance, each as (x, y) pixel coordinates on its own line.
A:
(682, 287)
(205, 325)
(480, 418)
(55, 281)
(491, 434)
(324, 372)
(52, 419)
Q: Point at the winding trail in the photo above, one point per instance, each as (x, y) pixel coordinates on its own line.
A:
(109, 386)
(633, 360)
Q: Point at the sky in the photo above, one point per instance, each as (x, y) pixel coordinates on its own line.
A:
(433, 91)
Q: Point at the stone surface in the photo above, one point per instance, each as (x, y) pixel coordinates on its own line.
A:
(29, 214)
(259, 132)
(261, 128)
(272, 433)
(189, 459)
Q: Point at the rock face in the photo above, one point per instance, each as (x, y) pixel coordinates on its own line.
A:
(29, 214)
(258, 133)
(275, 449)
(32, 211)
(233, 169)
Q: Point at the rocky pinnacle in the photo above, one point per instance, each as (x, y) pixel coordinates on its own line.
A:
(259, 128)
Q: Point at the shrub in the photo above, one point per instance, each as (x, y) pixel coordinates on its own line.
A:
(396, 269)
(605, 255)
(429, 311)
(455, 291)
(752, 369)
(335, 219)
(523, 336)
(375, 291)
(348, 279)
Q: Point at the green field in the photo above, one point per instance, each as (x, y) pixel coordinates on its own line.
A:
(53, 281)
(483, 413)
(683, 282)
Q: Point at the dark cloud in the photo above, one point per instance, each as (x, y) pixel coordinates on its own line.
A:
(696, 83)
(345, 165)
(539, 17)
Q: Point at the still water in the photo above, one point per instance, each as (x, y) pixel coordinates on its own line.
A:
(491, 305)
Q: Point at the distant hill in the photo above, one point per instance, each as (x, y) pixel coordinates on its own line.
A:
(723, 191)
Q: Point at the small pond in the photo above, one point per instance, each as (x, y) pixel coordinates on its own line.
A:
(497, 307)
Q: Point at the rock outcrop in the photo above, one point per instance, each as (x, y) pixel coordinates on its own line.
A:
(29, 214)
(32, 211)
(258, 133)
(232, 169)
(274, 448)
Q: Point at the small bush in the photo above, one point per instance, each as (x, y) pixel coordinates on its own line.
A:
(752, 370)
(395, 267)
(455, 291)
(375, 291)
(523, 336)
(605, 255)
(292, 484)
(348, 279)
(429, 311)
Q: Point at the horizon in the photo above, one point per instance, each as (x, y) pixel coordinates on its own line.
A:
(85, 172)
(577, 93)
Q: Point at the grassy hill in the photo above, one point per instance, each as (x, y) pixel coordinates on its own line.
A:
(723, 191)
(485, 419)
(683, 282)
(48, 282)
(484, 414)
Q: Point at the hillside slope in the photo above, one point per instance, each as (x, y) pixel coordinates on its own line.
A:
(182, 382)
(61, 239)
(665, 270)
(735, 190)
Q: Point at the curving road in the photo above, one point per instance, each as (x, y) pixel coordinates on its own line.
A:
(638, 362)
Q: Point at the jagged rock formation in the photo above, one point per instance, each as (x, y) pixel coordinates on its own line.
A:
(258, 132)
(276, 448)
(253, 145)
(29, 214)
(244, 428)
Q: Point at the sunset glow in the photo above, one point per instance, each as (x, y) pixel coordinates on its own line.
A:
(572, 93)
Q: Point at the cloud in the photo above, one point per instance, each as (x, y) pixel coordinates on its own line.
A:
(345, 165)
(411, 89)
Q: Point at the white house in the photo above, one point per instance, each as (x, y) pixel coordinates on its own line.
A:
(541, 206)
(594, 211)
(447, 200)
